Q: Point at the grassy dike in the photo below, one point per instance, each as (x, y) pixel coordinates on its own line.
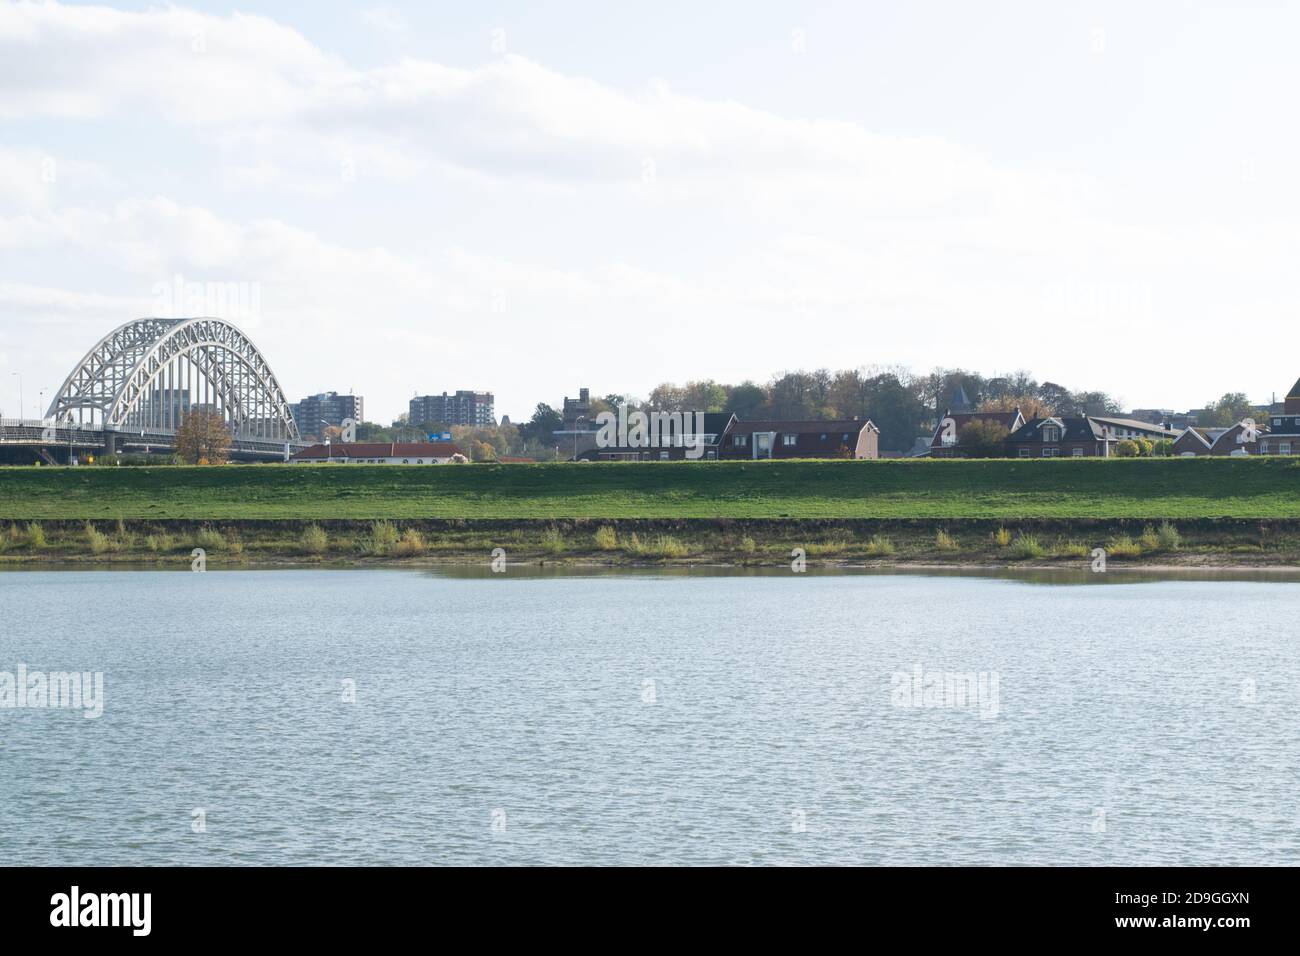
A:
(1215, 512)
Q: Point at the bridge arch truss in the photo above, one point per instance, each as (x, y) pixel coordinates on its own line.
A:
(148, 375)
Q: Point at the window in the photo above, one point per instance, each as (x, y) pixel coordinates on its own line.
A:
(739, 439)
(788, 440)
(1284, 448)
(710, 454)
(663, 456)
(1051, 433)
(823, 437)
(1277, 423)
(1077, 453)
(1024, 453)
(1051, 452)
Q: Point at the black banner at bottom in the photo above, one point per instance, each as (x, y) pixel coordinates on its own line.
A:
(337, 906)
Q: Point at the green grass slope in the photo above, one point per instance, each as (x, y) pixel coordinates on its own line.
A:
(1082, 488)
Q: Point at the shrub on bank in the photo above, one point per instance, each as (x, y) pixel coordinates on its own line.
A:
(1071, 549)
(553, 541)
(834, 544)
(879, 545)
(96, 539)
(661, 546)
(314, 540)
(410, 544)
(210, 539)
(1123, 546)
(1025, 546)
(383, 537)
(159, 542)
(1168, 537)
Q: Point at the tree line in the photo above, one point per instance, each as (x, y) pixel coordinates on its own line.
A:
(902, 403)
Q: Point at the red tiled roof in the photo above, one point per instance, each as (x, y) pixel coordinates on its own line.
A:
(437, 449)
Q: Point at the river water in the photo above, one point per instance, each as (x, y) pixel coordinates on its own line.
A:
(392, 716)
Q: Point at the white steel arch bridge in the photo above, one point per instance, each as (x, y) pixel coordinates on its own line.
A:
(137, 384)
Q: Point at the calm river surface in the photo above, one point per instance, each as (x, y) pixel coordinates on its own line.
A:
(384, 716)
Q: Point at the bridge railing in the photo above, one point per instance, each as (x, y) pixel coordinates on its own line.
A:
(27, 432)
(38, 432)
(23, 422)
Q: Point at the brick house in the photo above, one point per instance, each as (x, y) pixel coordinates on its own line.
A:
(946, 441)
(672, 446)
(773, 438)
(1283, 436)
(1238, 440)
(1061, 437)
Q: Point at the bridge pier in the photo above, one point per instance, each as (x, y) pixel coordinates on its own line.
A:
(110, 443)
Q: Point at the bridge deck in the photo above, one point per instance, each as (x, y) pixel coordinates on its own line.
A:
(36, 434)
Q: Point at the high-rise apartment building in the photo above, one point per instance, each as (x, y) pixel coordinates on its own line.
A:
(463, 408)
(328, 408)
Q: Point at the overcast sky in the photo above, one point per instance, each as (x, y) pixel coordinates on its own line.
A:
(527, 198)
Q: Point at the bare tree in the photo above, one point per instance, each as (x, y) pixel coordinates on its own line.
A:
(203, 439)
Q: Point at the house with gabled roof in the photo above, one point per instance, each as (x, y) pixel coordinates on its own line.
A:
(1061, 437)
(677, 439)
(778, 438)
(1193, 441)
(1283, 436)
(1241, 439)
(946, 442)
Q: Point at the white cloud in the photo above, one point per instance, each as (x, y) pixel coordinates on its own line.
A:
(543, 227)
